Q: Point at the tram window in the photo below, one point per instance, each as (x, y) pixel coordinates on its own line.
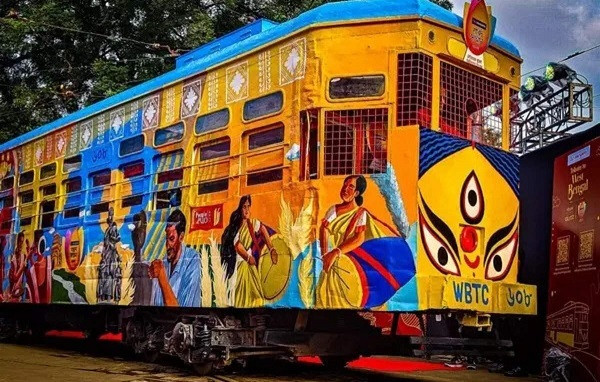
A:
(131, 145)
(48, 190)
(132, 170)
(357, 87)
(415, 81)
(72, 163)
(72, 185)
(212, 121)
(72, 213)
(26, 221)
(7, 183)
(47, 212)
(26, 178)
(356, 141)
(265, 177)
(99, 208)
(48, 171)
(265, 138)
(309, 145)
(169, 134)
(263, 106)
(215, 150)
(131, 201)
(168, 199)
(170, 176)
(469, 105)
(100, 178)
(26, 197)
(213, 186)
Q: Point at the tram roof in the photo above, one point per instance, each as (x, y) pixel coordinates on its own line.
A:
(256, 35)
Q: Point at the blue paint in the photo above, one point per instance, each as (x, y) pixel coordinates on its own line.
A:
(471, 292)
(202, 59)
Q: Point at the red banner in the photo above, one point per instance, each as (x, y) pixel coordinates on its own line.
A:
(206, 218)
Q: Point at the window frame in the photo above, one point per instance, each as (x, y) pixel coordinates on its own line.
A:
(329, 79)
(50, 176)
(272, 114)
(228, 109)
(157, 130)
(74, 170)
(143, 135)
(28, 183)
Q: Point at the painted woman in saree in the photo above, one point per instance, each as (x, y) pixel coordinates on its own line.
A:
(362, 265)
(243, 241)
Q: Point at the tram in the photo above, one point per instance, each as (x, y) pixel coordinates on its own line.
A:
(280, 180)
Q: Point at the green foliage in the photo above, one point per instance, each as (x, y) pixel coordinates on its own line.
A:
(48, 72)
(444, 3)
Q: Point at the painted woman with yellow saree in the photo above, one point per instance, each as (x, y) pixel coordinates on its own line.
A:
(242, 243)
(361, 266)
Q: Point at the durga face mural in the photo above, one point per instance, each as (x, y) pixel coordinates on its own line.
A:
(468, 221)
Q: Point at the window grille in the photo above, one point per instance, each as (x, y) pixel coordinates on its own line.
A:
(72, 213)
(356, 141)
(470, 105)
(415, 76)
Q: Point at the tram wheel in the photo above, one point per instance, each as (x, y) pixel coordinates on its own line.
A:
(202, 368)
(150, 356)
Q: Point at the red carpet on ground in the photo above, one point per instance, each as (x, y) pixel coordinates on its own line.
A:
(385, 364)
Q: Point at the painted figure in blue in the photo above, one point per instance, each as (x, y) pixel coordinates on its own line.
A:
(109, 272)
(177, 276)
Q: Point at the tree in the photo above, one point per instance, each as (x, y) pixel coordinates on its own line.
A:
(444, 3)
(51, 68)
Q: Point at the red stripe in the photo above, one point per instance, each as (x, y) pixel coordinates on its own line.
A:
(363, 255)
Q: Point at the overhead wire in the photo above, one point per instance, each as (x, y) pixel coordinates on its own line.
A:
(570, 56)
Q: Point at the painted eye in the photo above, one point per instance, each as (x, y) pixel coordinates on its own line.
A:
(471, 200)
(439, 254)
(498, 264)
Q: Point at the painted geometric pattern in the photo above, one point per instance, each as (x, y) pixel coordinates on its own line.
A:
(292, 62)
(237, 82)
(264, 72)
(100, 130)
(191, 98)
(85, 135)
(150, 110)
(27, 157)
(212, 83)
(117, 123)
(60, 142)
(169, 106)
(38, 151)
(73, 145)
(49, 152)
(134, 117)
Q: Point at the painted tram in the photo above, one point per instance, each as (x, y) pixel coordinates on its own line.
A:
(279, 180)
